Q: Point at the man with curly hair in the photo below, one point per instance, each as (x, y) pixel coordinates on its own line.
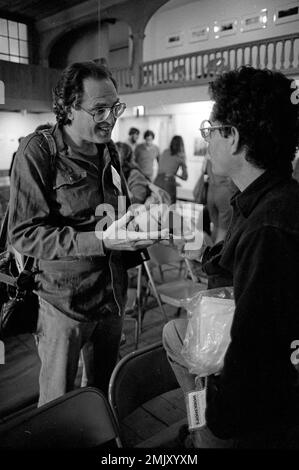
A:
(54, 215)
(252, 136)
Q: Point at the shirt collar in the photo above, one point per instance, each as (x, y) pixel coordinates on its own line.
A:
(247, 200)
(57, 133)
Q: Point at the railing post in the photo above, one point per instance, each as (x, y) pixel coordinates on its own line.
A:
(292, 53)
(266, 55)
(250, 54)
(258, 56)
(137, 42)
(274, 55)
(282, 56)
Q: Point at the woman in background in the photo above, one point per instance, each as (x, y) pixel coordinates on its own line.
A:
(170, 162)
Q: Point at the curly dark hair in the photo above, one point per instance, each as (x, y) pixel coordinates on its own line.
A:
(69, 88)
(258, 103)
(177, 145)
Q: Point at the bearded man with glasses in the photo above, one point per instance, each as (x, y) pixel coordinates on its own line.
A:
(252, 137)
(54, 214)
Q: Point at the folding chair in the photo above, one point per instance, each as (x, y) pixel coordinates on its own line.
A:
(134, 313)
(175, 293)
(137, 378)
(78, 420)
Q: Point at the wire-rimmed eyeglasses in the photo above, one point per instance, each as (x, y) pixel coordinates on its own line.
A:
(102, 113)
(206, 128)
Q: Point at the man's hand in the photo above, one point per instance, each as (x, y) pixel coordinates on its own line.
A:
(117, 237)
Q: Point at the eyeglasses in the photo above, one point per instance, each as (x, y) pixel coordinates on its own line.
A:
(206, 128)
(101, 114)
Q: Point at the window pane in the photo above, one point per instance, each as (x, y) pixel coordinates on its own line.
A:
(4, 57)
(13, 47)
(3, 27)
(22, 31)
(24, 61)
(23, 48)
(14, 59)
(3, 44)
(13, 29)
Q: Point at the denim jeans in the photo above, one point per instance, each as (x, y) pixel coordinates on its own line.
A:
(173, 338)
(60, 339)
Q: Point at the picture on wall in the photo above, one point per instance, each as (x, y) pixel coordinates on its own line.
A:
(254, 21)
(198, 33)
(174, 39)
(287, 13)
(225, 28)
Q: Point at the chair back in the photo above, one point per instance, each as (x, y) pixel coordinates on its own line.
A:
(139, 377)
(19, 374)
(78, 420)
(163, 254)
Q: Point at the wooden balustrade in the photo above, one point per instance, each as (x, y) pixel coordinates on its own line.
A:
(278, 53)
(124, 78)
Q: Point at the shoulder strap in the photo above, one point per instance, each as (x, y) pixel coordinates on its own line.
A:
(26, 262)
(3, 230)
(47, 134)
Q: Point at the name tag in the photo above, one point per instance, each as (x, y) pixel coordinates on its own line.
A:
(116, 179)
(196, 406)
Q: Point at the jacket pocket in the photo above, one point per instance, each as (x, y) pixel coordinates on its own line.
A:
(68, 179)
(71, 193)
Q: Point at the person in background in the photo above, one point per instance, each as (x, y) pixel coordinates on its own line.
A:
(146, 153)
(133, 137)
(171, 162)
(57, 216)
(13, 157)
(252, 136)
(137, 182)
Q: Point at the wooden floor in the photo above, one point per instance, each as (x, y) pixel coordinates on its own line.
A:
(157, 422)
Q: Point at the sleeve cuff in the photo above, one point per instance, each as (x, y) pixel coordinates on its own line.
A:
(90, 244)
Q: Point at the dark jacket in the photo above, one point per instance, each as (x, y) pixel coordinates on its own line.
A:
(54, 212)
(258, 389)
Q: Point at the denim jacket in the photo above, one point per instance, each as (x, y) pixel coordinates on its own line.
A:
(53, 217)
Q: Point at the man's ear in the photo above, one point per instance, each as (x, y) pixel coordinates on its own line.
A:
(235, 139)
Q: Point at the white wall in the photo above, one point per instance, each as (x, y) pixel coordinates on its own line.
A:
(15, 125)
(182, 16)
(87, 46)
(111, 42)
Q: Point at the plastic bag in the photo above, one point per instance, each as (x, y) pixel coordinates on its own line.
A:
(208, 330)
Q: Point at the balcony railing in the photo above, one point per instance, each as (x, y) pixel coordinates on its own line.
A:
(278, 53)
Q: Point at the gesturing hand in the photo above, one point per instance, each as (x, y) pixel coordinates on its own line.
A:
(117, 237)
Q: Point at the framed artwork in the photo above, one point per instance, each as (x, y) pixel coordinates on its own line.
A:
(199, 33)
(286, 13)
(254, 21)
(174, 39)
(225, 28)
